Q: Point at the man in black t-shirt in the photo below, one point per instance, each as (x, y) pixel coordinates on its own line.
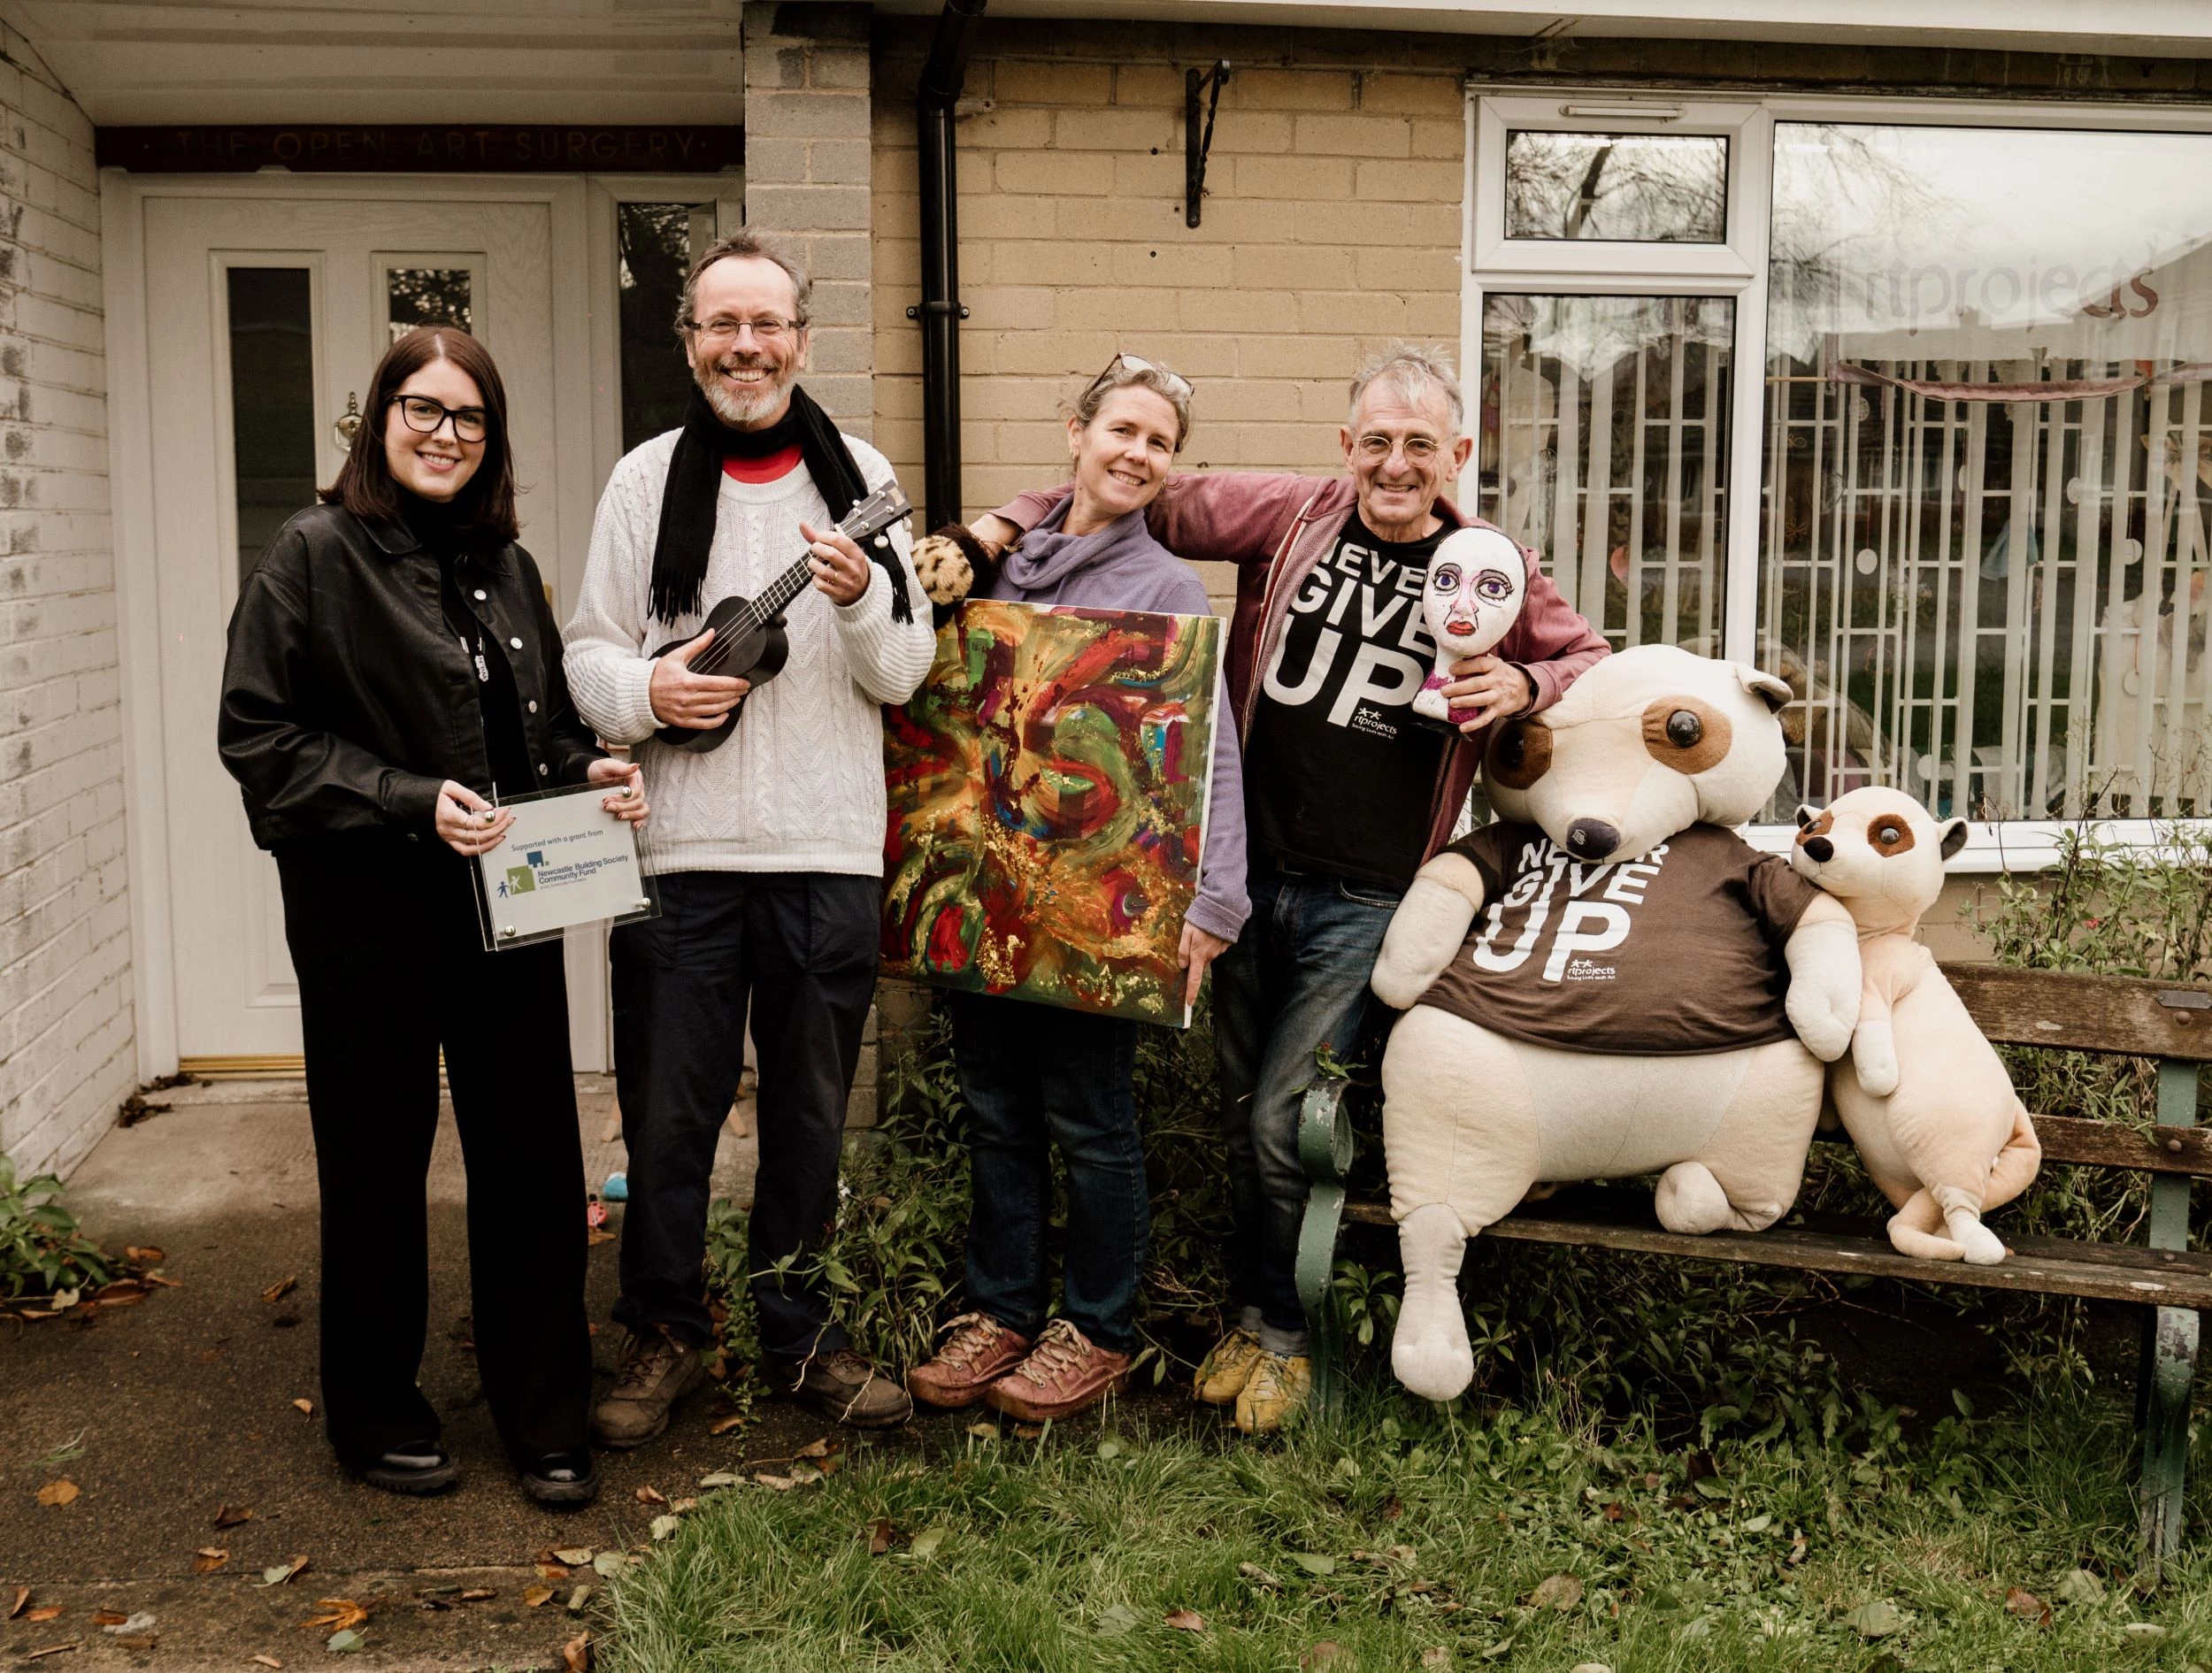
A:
(1346, 793)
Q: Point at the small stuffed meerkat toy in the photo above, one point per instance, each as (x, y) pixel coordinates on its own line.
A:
(946, 563)
(1922, 1094)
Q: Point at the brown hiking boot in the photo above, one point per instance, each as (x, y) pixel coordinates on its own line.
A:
(979, 1351)
(656, 1371)
(842, 1386)
(1065, 1373)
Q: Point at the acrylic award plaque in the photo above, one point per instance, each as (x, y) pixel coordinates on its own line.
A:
(564, 860)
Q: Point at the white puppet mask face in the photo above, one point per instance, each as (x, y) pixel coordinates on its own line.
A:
(1475, 586)
(1476, 582)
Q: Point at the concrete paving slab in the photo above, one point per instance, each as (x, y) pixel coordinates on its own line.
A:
(165, 1411)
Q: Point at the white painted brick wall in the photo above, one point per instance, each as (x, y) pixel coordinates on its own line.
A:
(67, 1051)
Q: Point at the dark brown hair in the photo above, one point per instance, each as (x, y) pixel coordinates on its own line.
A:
(486, 504)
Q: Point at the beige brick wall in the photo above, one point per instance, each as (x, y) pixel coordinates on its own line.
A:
(66, 1054)
(1331, 225)
(807, 179)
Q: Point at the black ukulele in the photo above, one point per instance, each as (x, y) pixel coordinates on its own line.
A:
(750, 642)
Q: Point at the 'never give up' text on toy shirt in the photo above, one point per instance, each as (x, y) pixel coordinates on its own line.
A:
(1679, 950)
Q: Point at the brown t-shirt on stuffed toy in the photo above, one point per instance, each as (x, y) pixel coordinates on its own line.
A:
(1676, 952)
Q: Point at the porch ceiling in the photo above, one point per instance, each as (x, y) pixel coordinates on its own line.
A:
(2153, 28)
(272, 61)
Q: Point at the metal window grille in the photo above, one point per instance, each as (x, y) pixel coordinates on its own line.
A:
(1605, 430)
(1994, 605)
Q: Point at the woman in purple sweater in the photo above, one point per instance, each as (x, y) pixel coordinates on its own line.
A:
(1034, 1076)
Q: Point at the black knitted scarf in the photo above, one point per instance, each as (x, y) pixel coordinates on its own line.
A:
(693, 490)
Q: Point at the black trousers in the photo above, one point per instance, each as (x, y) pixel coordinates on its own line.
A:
(391, 967)
(800, 949)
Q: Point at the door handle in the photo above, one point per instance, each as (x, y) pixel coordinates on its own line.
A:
(349, 423)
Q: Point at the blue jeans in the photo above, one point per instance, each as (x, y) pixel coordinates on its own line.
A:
(1295, 980)
(1035, 1076)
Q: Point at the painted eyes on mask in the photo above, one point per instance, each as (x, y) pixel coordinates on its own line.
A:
(1444, 579)
(1494, 588)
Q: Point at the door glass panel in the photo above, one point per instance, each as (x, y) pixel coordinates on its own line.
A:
(1988, 467)
(428, 296)
(1604, 438)
(1637, 188)
(271, 401)
(655, 245)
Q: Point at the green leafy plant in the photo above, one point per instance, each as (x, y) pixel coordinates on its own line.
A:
(42, 1251)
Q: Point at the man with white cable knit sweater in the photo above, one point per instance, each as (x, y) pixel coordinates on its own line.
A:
(768, 851)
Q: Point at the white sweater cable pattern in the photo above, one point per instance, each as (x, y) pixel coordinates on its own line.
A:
(800, 788)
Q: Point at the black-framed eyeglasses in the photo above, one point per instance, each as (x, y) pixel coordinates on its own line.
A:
(1175, 379)
(426, 416)
(722, 329)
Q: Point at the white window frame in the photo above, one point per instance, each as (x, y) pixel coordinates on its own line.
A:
(1737, 268)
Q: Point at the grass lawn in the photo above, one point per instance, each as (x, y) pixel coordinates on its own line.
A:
(1417, 1538)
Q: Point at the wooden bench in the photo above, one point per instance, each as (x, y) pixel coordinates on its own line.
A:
(2100, 1014)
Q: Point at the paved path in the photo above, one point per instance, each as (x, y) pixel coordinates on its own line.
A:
(183, 1404)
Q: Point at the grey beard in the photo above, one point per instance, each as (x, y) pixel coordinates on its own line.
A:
(740, 411)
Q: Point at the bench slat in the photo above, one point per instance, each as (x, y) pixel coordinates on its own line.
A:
(1621, 1220)
(2107, 1144)
(2087, 1013)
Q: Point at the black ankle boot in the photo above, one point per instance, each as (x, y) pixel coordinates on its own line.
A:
(418, 1466)
(563, 1477)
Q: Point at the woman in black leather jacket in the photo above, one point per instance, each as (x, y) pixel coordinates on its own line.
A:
(394, 671)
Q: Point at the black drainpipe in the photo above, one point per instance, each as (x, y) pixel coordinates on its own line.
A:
(939, 311)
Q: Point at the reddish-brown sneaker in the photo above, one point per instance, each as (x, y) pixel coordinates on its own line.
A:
(979, 1351)
(1065, 1373)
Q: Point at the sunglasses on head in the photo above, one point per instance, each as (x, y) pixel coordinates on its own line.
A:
(1175, 379)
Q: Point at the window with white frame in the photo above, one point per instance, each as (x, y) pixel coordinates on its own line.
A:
(1968, 497)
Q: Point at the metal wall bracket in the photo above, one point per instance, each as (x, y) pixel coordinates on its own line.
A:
(1195, 145)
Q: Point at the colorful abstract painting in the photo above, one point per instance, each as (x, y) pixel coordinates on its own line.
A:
(1048, 806)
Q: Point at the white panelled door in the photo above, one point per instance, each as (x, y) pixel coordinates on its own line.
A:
(265, 315)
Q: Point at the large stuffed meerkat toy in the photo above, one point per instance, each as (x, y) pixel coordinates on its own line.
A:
(1607, 982)
(1923, 1096)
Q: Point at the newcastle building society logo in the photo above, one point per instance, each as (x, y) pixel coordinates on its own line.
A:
(523, 879)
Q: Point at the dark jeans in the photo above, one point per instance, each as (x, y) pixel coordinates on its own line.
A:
(800, 949)
(1295, 980)
(1036, 1075)
(392, 967)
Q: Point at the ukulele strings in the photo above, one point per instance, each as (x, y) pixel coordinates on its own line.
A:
(751, 616)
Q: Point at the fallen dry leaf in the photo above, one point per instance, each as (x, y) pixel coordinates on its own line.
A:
(146, 1253)
(986, 1431)
(882, 1536)
(108, 1617)
(166, 1284)
(532, 1596)
(1561, 1592)
(576, 1654)
(821, 1448)
(651, 1496)
(231, 1515)
(479, 1594)
(293, 1567)
(594, 1237)
(781, 1484)
(553, 1571)
(22, 1597)
(207, 1559)
(51, 1649)
(305, 1407)
(1187, 1621)
(279, 1290)
(266, 1661)
(575, 1556)
(58, 1492)
(345, 1614)
(1028, 1431)
(2028, 1607)
(44, 1612)
(723, 1426)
